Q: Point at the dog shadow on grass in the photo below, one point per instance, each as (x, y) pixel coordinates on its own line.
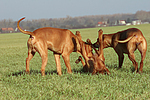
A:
(47, 72)
(32, 72)
(122, 69)
(79, 70)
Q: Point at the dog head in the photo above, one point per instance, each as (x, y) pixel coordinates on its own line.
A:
(106, 40)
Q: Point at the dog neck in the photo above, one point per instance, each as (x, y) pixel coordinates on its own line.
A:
(107, 40)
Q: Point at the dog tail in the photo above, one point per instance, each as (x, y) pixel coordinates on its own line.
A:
(25, 32)
(126, 40)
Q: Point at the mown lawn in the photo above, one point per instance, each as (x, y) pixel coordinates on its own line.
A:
(121, 84)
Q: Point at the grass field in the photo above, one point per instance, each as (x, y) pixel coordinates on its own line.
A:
(121, 84)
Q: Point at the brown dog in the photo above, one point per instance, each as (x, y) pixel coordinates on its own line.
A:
(60, 41)
(86, 51)
(126, 41)
(96, 61)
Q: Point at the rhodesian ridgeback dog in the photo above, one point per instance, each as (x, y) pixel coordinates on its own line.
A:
(96, 61)
(60, 41)
(126, 41)
(86, 51)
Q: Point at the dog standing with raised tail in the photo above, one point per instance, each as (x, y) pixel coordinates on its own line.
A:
(60, 41)
(126, 41)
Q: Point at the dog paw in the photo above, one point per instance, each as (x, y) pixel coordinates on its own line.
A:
(27, 72)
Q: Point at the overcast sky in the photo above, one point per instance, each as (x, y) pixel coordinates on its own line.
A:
(37, 9)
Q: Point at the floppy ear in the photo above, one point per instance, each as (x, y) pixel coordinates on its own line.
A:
(78, 35)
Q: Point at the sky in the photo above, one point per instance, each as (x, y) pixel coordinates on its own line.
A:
(39, 9)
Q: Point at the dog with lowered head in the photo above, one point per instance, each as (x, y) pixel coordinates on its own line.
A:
(60, 41)
(126, 41)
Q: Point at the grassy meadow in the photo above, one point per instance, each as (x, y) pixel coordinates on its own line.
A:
(122, 84)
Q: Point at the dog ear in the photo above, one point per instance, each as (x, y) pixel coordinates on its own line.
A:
(100, 32)
(78, 35)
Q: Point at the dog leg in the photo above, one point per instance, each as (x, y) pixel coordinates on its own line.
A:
(41, 48)
(141, 63)
(30, 56)
(67, 62)
(143, 54)
(44, 63)
(44, 55)
(80, 59)
(142, 49)
(132, 58)
(121, 58)
(107, 71)
(58, 65)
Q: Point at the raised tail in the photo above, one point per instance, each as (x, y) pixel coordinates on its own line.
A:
(25, 32)
(126, 40)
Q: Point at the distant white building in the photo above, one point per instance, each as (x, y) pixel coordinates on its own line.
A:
(136, 22)
(128, 24)
(122, 22)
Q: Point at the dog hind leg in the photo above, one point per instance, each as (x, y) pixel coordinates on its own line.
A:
(44, 63)
(58, 65)
(30, 56)
(142, 49)
(67, 62)
(143, 54)
(132, 58)
(42, 50)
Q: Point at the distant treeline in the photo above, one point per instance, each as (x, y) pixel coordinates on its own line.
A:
(76, 22)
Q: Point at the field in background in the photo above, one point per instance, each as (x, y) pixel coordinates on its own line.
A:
(121, 84)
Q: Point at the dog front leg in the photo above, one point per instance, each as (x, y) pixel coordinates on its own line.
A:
(107, 71)
(80, 59)
(30, 56)
(58, 65)
(67, 62)
(121, 58)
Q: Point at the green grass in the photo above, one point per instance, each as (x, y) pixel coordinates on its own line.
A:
(121, 84)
